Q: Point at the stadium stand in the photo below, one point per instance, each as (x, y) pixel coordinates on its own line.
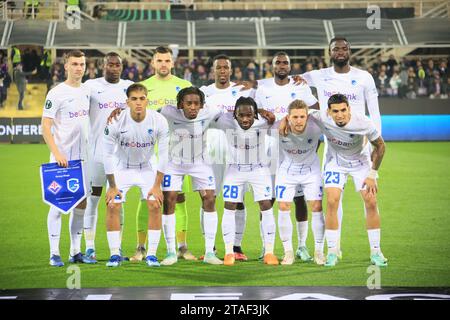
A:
(410, 33)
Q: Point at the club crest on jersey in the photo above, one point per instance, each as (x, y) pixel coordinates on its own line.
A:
(73, 185)
(234, 93)
(293, 95)
(351, 135)
(310, 140)
(354, 82)
(54, 187)
(150, 131)
(106, 131)
(177, 89)
(210, 178)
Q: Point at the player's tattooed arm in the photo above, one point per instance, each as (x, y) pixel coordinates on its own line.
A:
(378, 152)
(114, 114)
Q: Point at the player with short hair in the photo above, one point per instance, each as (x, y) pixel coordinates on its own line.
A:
(356, 84)
(188, 124)
(275, 95)
(131, 139)
(347, 134)
(107, 93)
(300, 166)
(246, 135)
(64, 129)
(163, 88)
(223, 94)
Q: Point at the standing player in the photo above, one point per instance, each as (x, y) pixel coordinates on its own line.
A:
(223, 94)
(246, 135)
(163, 88)
(300, 166)
(107, 93)
(347, 134)
(64, 128)
(187, 156)
(356, 84)
(134, 136)
(275, 95)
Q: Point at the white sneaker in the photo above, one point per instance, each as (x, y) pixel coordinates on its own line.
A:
(289, 258)
(170, 259)
(211, 258)
(319, 258)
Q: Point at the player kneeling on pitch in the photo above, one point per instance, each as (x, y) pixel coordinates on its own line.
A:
(246, 138)
(349, 154)
(134, 135)
(300, 167)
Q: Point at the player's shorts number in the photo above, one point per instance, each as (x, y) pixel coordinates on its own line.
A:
(166, 181)
(279, 190)
(332, 177)
(230, 192)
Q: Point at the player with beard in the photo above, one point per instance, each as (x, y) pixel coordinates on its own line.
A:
(275, 95)
(355, 84)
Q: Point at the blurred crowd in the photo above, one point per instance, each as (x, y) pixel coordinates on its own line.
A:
(408, 78)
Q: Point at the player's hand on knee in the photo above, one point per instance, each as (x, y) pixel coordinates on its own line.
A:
(111, 194)
(114, 114)
(370, 186)
(157, 194)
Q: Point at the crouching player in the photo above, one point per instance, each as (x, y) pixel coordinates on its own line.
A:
(134, 135)
(299, 167)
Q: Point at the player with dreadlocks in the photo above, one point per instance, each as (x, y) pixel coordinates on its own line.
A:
(248, 163)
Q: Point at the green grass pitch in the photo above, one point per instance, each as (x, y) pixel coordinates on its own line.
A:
(414, 201)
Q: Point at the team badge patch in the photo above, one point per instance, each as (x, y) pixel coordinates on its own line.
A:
(310, 140)
(293, 95)
(73, 185)
(54, 187)
(234, 93)
(354, 82)
(48, 104)
(150, 131)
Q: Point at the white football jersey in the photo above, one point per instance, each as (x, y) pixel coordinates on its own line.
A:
(357, 85)
(135, 142)
(224, 99)
(69, 108)
(299, 150)
(188, 137)
(247, 147)
(346, 145)
(105, 97)
(276, 99)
